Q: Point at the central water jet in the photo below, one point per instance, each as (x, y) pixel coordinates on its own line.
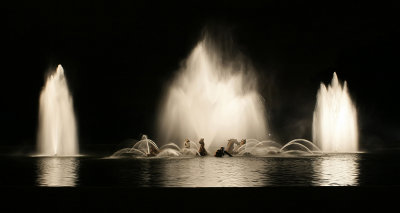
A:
(57, 135)
(213, 96)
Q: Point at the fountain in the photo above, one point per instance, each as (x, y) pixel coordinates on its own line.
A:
(145, 145)
(213, 96)
(258, 148)
(254, 147)
(57, 134)
(142, 148)
(300, 145)
(335, 127)
(148, 148)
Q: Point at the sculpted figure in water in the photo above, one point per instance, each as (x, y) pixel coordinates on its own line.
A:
(153, 151)
(231, 144)
(242, 142)
(221, 152)
(187, 143)
(231, 148)
(190, 148)
(202, 149)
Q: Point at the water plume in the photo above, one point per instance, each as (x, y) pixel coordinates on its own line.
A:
(57, 134)
(335, 127)
(213, 96)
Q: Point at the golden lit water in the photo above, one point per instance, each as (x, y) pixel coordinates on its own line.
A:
(316, 170)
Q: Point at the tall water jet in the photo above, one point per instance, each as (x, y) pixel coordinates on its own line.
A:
(335, 127)
(213, 96)
(57, 134)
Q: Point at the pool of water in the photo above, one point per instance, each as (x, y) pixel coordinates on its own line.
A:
(361, 169)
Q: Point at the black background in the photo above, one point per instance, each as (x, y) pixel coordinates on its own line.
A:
(118, 57)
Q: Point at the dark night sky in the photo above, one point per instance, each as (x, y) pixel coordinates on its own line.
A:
(118, 57)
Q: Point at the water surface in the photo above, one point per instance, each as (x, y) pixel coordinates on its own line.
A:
(315, 170)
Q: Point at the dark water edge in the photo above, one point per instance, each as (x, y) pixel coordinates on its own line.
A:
(260, 199)
(378, 191)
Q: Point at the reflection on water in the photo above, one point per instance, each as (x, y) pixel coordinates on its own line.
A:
(330, 170)
(214, 172)
(143, 173)
(57, 171)
(291, 170)
(337, 170)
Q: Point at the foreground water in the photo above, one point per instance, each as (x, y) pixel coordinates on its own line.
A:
(315, 170)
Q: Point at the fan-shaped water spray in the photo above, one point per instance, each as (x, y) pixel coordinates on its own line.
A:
(57, 134)
(335, 127)
(214, 99)
(259, 148)
(145, 145)
(170, 146)
(303, 144)
(148, 148)
(266, 148)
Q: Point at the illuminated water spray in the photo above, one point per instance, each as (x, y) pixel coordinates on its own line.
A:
(212, 98)
(57, 133)
(335, 127)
